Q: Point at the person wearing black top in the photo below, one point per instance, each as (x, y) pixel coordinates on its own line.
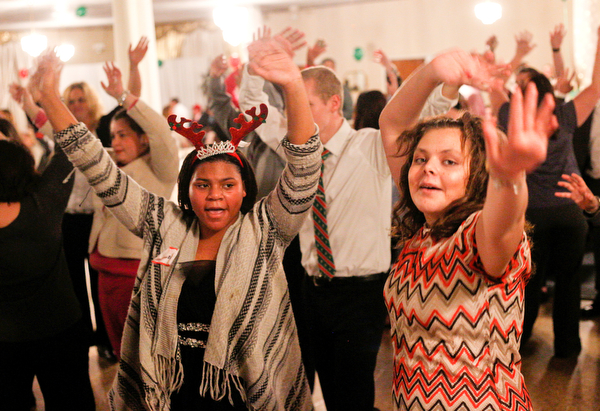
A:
(41, 328)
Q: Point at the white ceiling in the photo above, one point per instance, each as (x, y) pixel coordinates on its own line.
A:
(20, 15)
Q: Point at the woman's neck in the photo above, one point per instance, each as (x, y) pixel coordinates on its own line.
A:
(208, 245)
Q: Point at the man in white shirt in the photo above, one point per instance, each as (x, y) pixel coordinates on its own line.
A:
(345, 312)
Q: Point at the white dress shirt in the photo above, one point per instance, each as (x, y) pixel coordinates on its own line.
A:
(358, 188)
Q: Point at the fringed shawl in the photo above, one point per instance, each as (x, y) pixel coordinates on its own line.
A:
(253, 344)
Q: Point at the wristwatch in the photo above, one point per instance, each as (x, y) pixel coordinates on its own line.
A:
(122, 97)
(588, 214)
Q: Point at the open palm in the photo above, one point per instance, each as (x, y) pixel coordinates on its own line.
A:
(529, 129)
(270, 60)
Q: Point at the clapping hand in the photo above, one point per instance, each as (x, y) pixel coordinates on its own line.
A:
(43, 84)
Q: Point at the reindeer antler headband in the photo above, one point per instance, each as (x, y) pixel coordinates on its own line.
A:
(194, 133)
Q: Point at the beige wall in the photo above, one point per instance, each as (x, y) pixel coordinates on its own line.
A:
(404, 29)
(84, 40)
(420, 28)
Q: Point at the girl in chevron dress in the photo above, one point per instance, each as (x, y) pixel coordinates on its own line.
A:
(455, 295)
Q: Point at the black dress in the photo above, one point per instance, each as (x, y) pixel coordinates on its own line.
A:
(194, 313)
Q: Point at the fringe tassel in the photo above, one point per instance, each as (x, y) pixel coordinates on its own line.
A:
(216, 384)
(170, 378)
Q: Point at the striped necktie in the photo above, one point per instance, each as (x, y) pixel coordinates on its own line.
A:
(324, 254)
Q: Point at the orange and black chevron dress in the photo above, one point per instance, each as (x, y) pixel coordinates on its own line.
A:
(455, 330)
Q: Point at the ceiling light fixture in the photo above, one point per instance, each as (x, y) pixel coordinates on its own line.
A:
(34, 44)
(488, 12)
(234, 22)
(65, 51)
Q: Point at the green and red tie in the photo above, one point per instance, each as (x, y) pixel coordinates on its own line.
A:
(324, 254)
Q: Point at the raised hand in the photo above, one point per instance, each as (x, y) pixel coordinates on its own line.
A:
(492, 43)
(17, 92)
(315, 51)
(557, 35)
(218, 66)
(43, 84)
(294, 40)
(529, 129)
(114, 87)
(579, 192)
(380, 57)
(564, 82)
(269, 58)
(457, 67)
(524, 43)
(137, 54)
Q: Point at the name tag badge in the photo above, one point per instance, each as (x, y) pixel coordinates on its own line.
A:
(166, 257)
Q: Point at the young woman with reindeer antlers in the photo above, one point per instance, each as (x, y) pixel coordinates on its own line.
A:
(210, 324)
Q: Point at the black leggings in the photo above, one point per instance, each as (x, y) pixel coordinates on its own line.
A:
(559, 237)
(60, 363)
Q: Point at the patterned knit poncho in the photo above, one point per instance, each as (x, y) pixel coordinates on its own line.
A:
(253, 344)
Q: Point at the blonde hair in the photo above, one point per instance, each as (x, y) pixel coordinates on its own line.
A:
(93, 102)
(327, 83)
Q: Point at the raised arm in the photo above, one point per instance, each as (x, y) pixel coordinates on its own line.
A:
(453, 68)
(524, 47)
(391, 72)
(556, 38)
(315, 51)
(270, 59)
(43, 86)
(219, 102)
(500, 227)
(251, 94)
(127, 200)
(292, 198)
(34, 112)
(586, 100)
(136, 55)
(163, 152)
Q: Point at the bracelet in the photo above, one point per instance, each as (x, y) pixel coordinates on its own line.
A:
(40, 119)
(499, 183)
(556, 50)
(132, 104)
(122, 98)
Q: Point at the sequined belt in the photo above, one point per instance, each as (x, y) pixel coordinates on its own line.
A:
(194, 327)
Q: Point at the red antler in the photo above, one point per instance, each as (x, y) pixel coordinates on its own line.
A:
(192, 133)
(237, 134)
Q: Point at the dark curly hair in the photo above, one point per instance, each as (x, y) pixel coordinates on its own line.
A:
(187, 170)
(407, 219)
